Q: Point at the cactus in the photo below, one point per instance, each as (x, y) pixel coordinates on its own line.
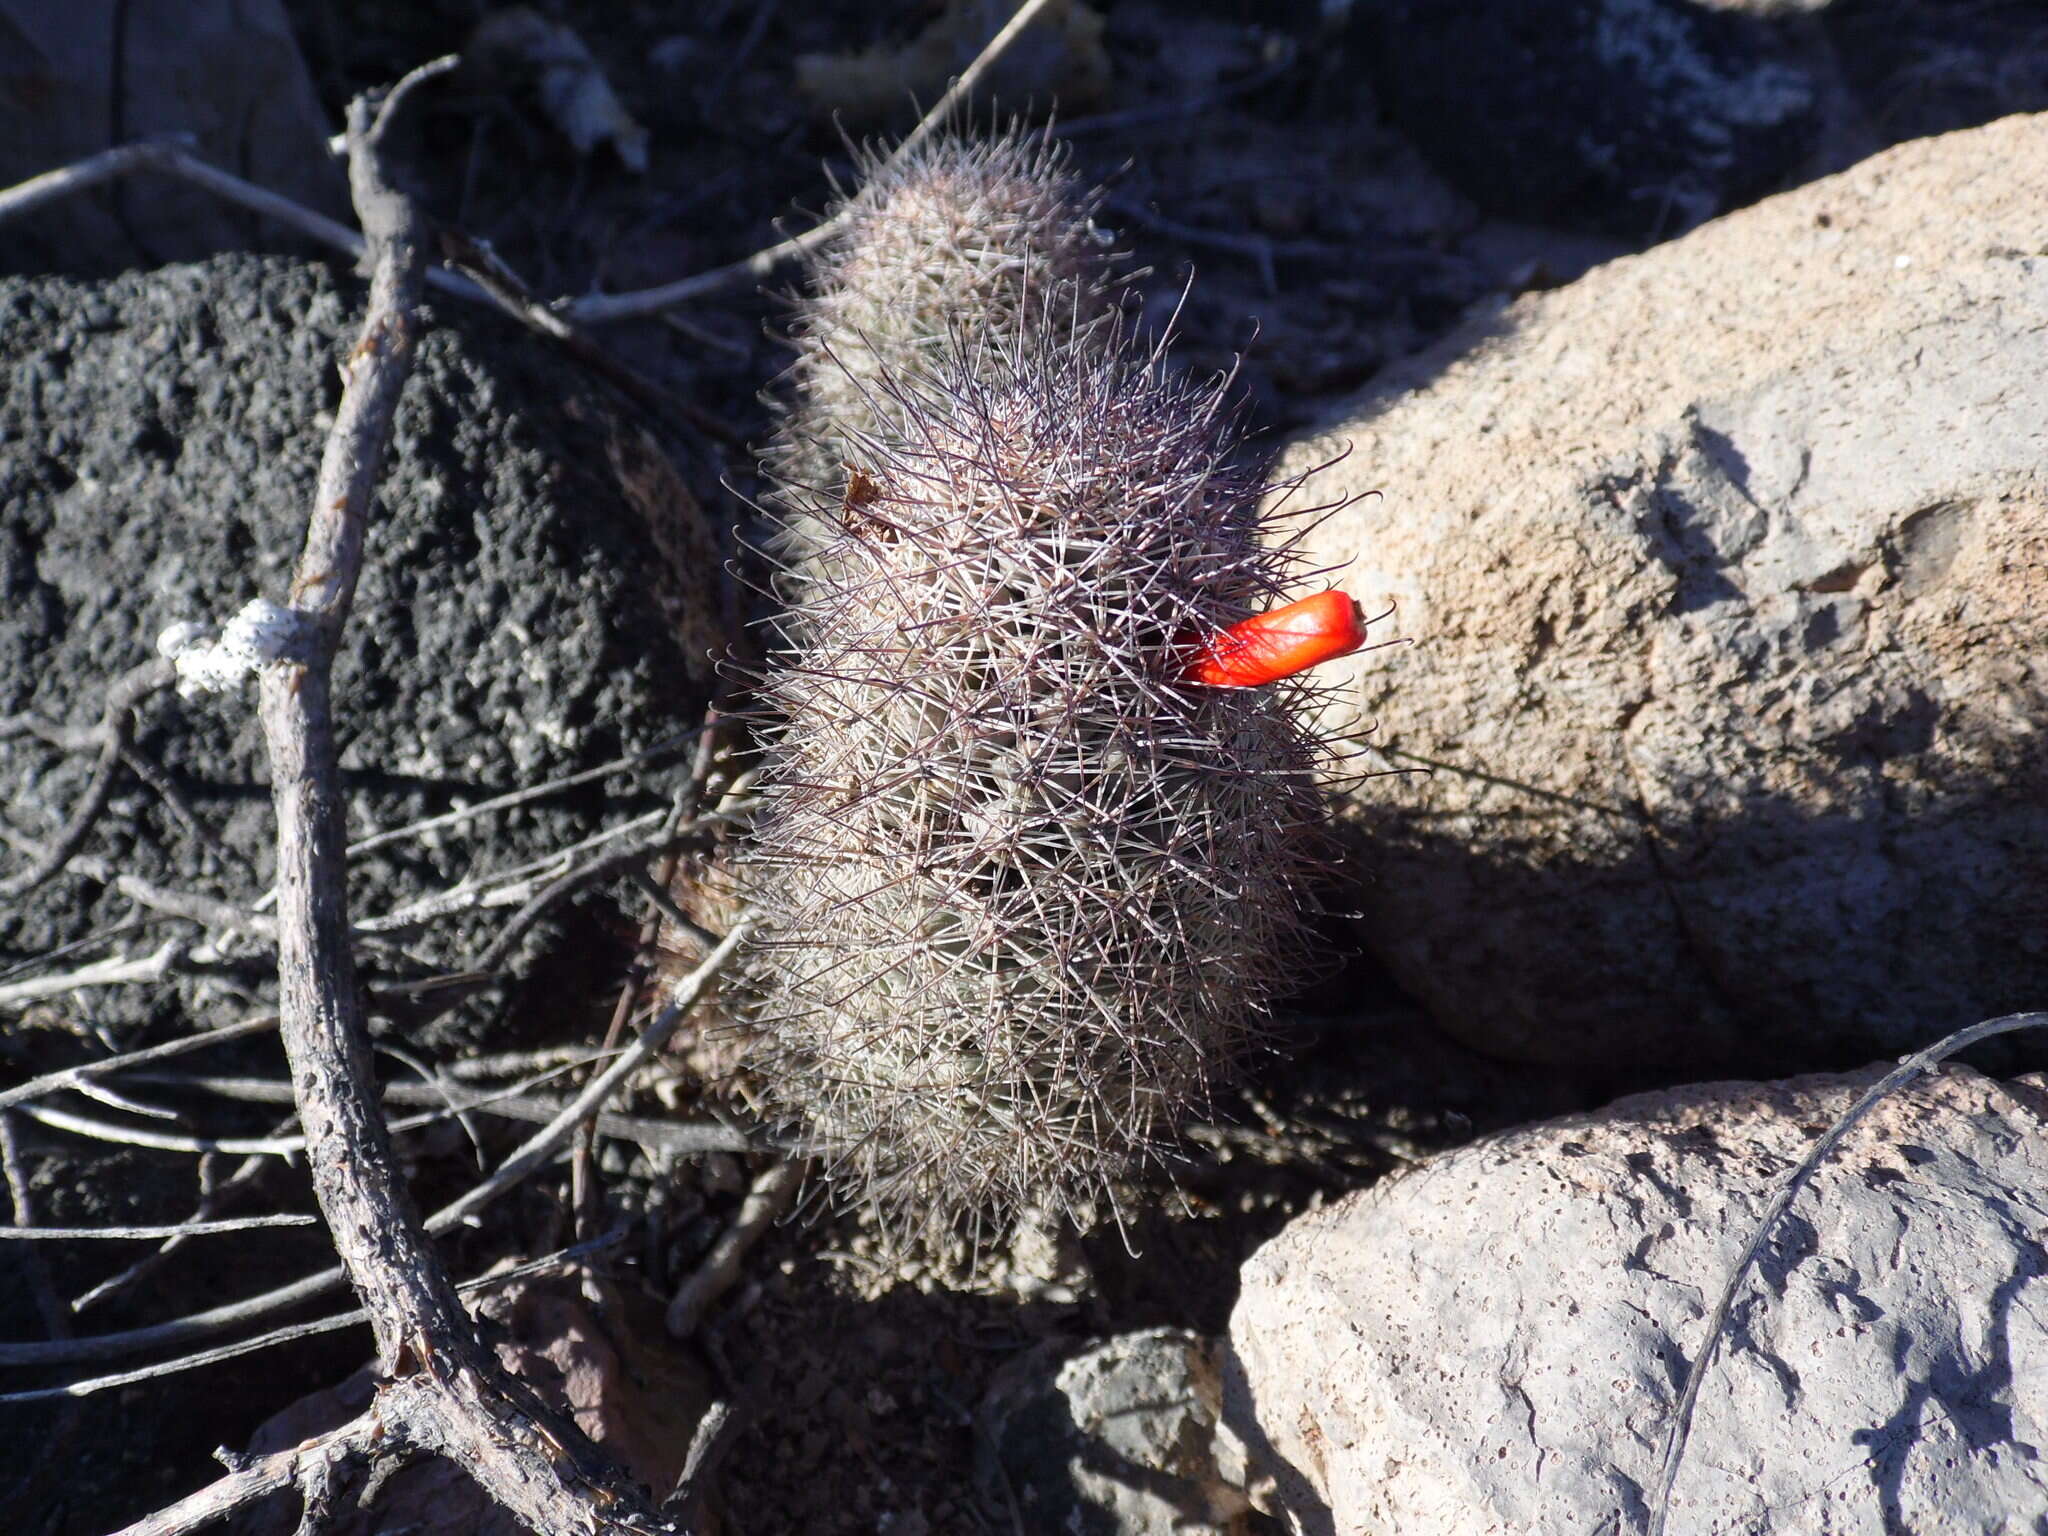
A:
(962, 243)
(1027, 889)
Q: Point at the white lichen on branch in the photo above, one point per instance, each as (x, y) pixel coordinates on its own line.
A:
(260, 633)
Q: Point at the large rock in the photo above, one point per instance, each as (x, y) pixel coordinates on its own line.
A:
(1495, 1342)
(1727, 572)
(531, 602)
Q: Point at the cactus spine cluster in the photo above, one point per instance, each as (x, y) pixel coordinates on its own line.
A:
(1027, 893)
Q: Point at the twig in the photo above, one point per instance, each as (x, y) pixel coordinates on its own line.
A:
(215, 1196)
(173, 159)
(177, 1229)
(518, 797)
(505, 887)
(583, 1184)
(670, 1137)
(665, 904)
(765, 1203)
(1696, 1374)
(208, 912)
(543, 1143)
(591, 309)
(77, 946)
(1257, 249)
(551, 895)
(709, 1442)
(482, 266)
(50, 1453)
(100, 1093)
(71, 1077)
(260, 1478)
(173, 1141)
(116, 970)
(116, 725)
(452, 1395)
(531, 1155)
(470, 1069)
(603, 308)
(290, 1334)
(182, 810)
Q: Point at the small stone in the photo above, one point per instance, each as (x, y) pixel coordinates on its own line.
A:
(1123, 1431)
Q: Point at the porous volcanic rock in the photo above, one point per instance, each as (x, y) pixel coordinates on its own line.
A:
(537, 598)
(1495, 1342)
(1727, 573)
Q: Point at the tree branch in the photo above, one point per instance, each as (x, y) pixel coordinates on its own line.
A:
(452, 1396)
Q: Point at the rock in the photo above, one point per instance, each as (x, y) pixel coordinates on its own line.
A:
(224, 75)
(1117, 1440)
(1727, 573)
(602, 1356)
(1495, 1342)
(532, 602)
(1629, 117)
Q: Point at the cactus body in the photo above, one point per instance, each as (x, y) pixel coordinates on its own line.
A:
(1027, 890)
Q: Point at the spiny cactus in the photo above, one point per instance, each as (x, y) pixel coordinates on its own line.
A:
(1027, 889)
(963, 243)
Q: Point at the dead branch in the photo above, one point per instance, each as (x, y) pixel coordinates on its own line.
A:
(517, 797)
(583, 1186)
(260, 1478)
(543, 1143)
(554, 893)
(517, 885)
(472, 1069)
(208, 912)
(452, 1396)
(170, 158)
(766, 1201)
(592, 309)
(51, 1453)
(532, 1155)
(475, 260)
(169, 1229)
(116, 970)
(71, 1077)
(668, 1138)
(293, 1332)
(290, 1145)
(215, 1195)
(78, 946)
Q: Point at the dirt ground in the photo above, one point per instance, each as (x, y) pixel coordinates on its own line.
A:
(1254, 172)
